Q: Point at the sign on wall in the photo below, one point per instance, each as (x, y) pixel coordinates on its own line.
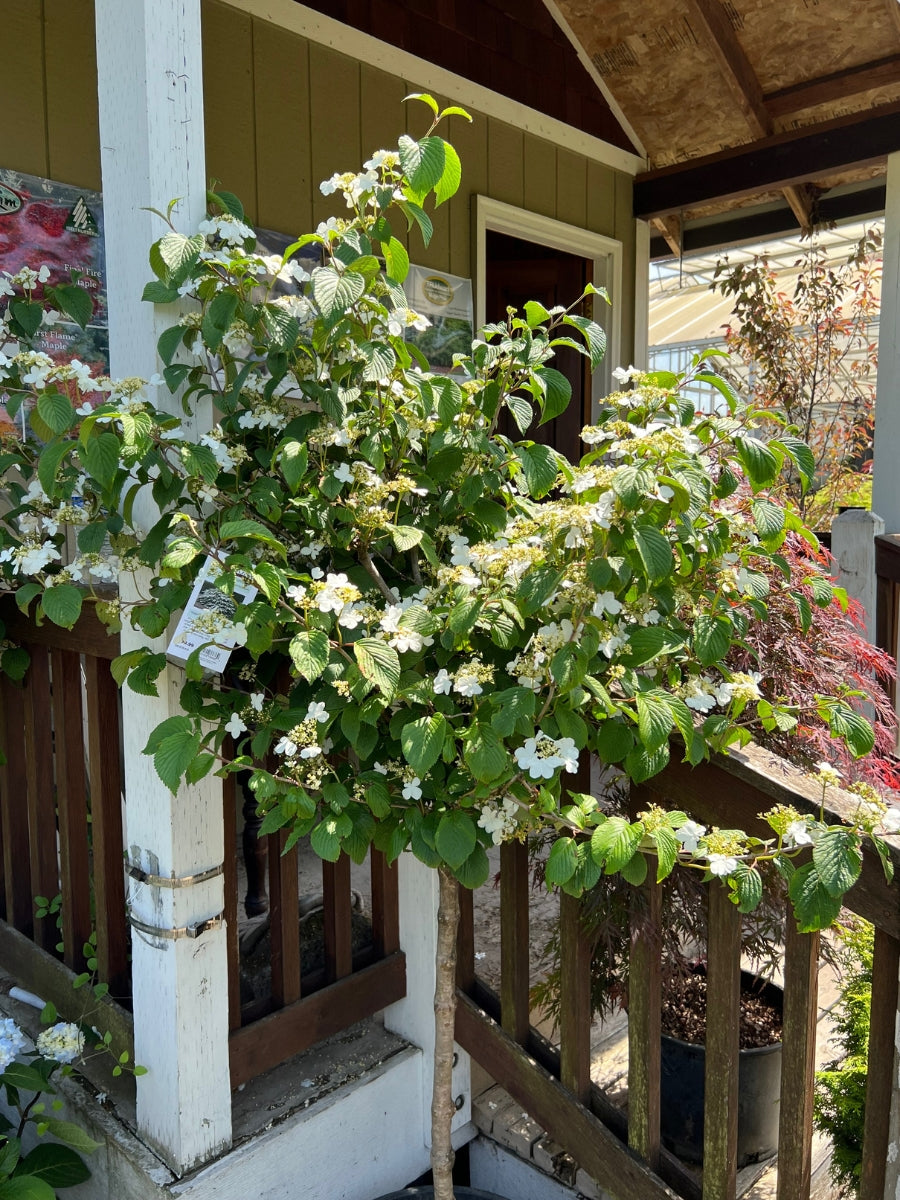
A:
(446, 300)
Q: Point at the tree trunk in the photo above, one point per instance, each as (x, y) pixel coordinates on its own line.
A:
(442, 1106)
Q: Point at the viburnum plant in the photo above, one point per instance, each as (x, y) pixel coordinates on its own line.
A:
(447, 619)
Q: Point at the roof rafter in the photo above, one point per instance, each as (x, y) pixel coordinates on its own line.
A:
(839, 85)
(773, 163)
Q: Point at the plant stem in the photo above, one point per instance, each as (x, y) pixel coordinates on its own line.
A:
(442, 1107)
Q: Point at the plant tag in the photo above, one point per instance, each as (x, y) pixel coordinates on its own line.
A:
(208, 621)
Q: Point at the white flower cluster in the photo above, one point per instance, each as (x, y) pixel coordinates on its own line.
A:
(12, 1042)
(542, 756)
(702, 693)
(499, 819)
(30, 558)
(64, 1042)
(466, 680)
(227, 228)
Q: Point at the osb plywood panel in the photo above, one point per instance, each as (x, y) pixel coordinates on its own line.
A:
(657, 61)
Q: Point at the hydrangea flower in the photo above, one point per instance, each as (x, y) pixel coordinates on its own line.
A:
(722, 865)
(12, 1042)
(64, 1042)
(689, 834)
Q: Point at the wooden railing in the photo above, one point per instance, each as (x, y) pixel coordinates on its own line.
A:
(61, 830)
(623, 1153)
(61, 798)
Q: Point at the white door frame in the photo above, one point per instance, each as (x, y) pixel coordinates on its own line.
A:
(604, 252)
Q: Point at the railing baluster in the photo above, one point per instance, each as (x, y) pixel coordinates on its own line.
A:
(723, 998)
(230, 884)
(798, 1066)
(644, 1002)
(106, 824)
(284, 921)
(879, 1177)
(71, 802)
(465, 940)
(574, 1000)
(16, 857)
(39, 790)
(338, 918)
(514, 948)
(385, 904)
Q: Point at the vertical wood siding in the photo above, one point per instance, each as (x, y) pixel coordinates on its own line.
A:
(282, 114)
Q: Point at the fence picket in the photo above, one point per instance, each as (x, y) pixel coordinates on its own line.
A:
(801, 966)
(514, 948)
(71, 803)
(723, 998)
(574, 1000)
(284, 921)
(880, 1176)
(644, 1001)
(16, 856)
(39, 791)
(338, 918)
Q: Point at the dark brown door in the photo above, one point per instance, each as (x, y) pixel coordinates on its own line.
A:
(518, 271)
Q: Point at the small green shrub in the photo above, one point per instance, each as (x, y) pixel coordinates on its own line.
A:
(840, 1105)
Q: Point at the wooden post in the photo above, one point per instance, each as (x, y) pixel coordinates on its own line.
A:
(149, 68)
(885, 476)
(574, 1000)
(853, 536)
(798, 1064)
(880, 1175)
(514, 948)
(413, 1017)
(644, 1005)
(723, 1000)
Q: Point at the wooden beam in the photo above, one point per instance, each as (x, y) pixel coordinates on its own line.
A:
(670, 228)
(800, 199)
(838, 85)
(733, 63)
(776, 162)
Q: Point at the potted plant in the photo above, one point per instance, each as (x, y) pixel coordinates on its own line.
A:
(444, 618)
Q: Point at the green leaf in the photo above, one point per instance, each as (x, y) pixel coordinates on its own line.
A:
(594, 337)
(514, 708)
(217, 318)
(837, 859)
(485, 754)
(562, 861)
(294, 461)
(49, 462)
(396, 260)
(169, 341)
(405, 537)
(769, 518)
(101, 457)
(143, 677)
(642, 764)
(814, 907)
(455, 838)
(536, 314)
(379, 663)
(521, 411)
(760, 463)
(326, 841)
(646, 642)
(309, 652)
(614, 740)
(853, 728)
(55, 410)
(463, 615)
(23, 1077)
(173, 757)
(474, 871)
(14, 662)
(334, 292)
(540, 466)
(179, 254)
(614, 842)
(557, 395)
(635, 870)
(449, 182)
(157, 292)
(655, 718)
(800, 455)
(75, 302)
(422, 742)
(62, 604)
(667, 847)
(26, 1187)
(251, 529)
(57, 1166)
(655, 552)
(748, 887)
(712, 638)
(423, 162)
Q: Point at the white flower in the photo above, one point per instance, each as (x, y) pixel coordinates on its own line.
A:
(623, 375)
(310, 751)
(568, 753)
(390, 622)
(689, 834)
(329, 598)
(317, 712)
(235, 725)
(257, 699)
(296, 592)
(405, 640)
(12, 1041)
(351, 616)
(699, 693)
(722, 864)
(286, 747)
(343, 473)
(412, 789)
(380, 768)
(606, 602)
(64, 1042)
(798, 833)
(890, 822)
(442, 683)
(467, 684)
(542, 756)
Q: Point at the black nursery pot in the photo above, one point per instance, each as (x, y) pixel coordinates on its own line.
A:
(682, 1088)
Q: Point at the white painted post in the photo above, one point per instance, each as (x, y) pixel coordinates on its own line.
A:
(413, 1017)
(885, 476)
(853, 536)
(152, 151)
(641, 356)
